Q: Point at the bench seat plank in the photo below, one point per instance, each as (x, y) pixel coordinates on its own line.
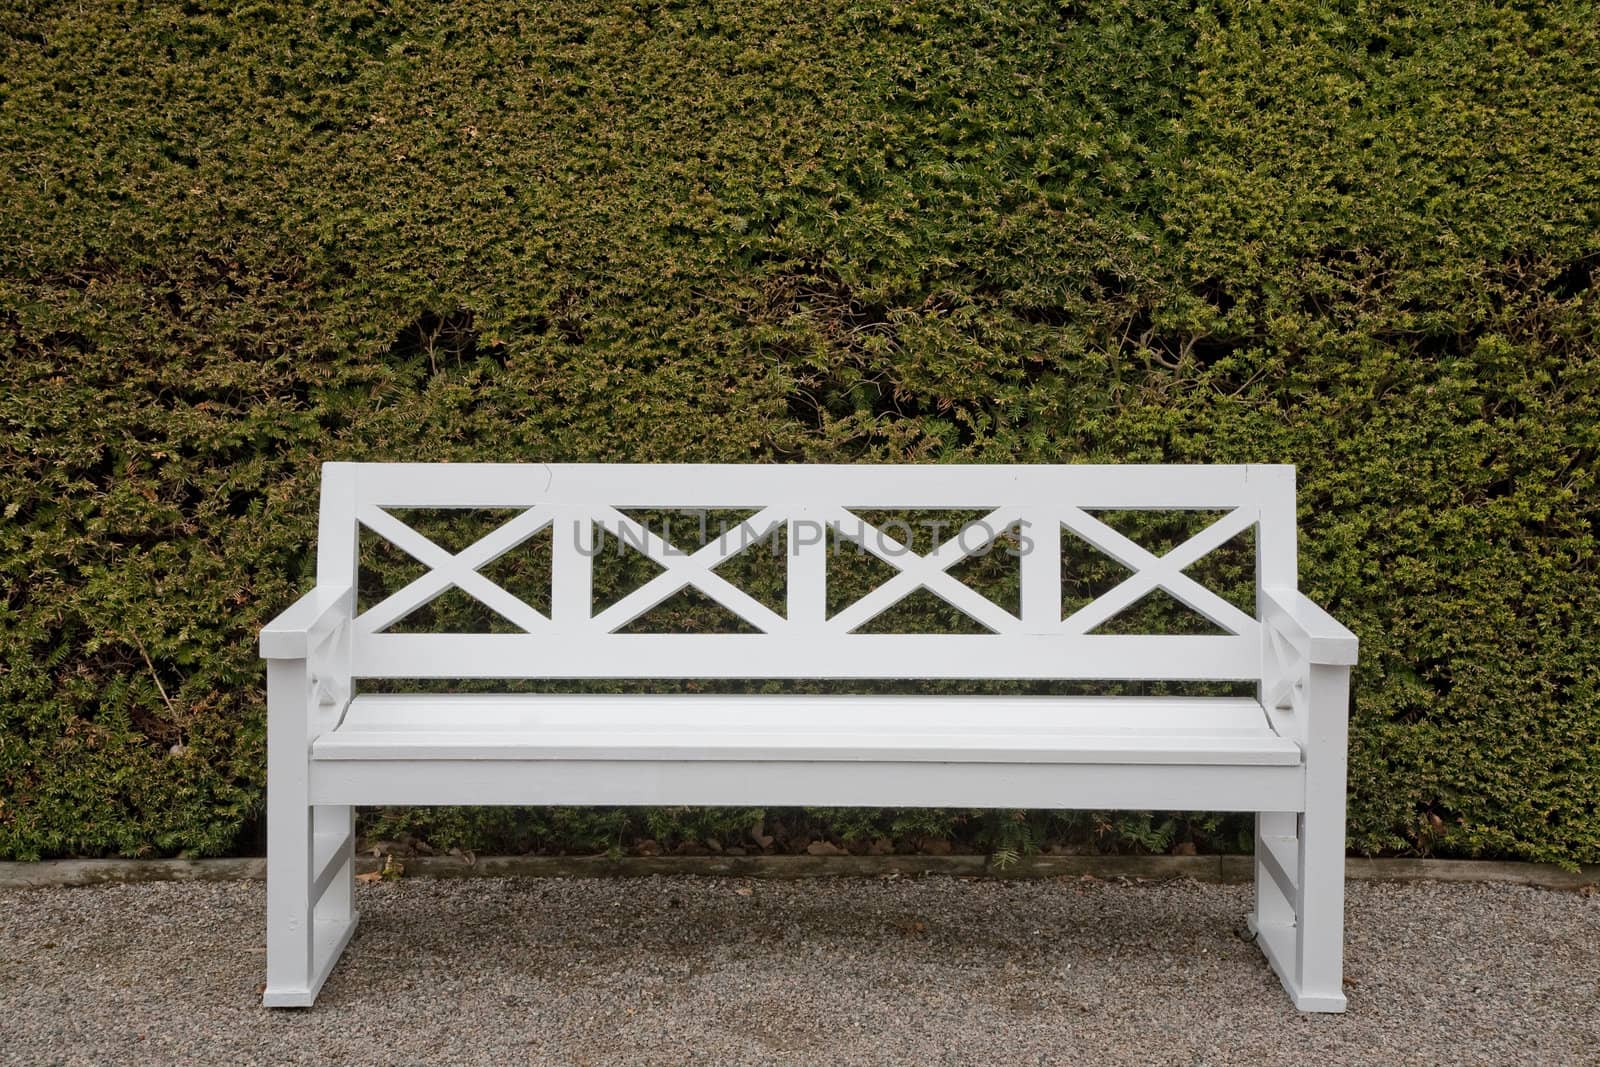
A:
(892, 729)
(809, 783)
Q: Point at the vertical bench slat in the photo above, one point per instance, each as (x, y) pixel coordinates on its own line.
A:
(806, 571)
(572, 569)
(1041, 572)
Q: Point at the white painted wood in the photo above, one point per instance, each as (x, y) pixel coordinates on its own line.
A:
(923, 572)
(572, 570)
(583, 496)
(1278, 855)
(1284, 671)
(680, 570)
(310, 619)
(1276, 564)
(337, 531)
(1281, 755)
(1308, 628)
(1041, 572)
(290, 944)
(333, 853)
(451, 569)
(854, 729)
(1277, 546)
(1166, 572)
(310, 850)
(735, 783)
(1319, 910)
(807, 543)
(646, 485)
(331, 938)
(983, 656)
(1274, 898)
(1159, 716)
(1299, 916)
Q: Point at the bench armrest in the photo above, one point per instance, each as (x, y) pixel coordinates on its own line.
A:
(293, 634)
(1322, 637)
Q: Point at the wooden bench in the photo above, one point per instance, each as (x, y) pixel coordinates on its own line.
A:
(1280, 753)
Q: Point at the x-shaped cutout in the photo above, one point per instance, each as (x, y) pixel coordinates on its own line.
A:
(696, 569)
(446, 569)
(923, 572)
(1287, 673)
(1158, 572)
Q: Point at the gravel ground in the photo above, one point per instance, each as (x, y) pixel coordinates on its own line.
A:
(833, 971)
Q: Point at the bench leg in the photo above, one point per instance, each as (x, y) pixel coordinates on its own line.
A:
(1275, 894)
(310, 854)
(1298, 919)
(335, 828)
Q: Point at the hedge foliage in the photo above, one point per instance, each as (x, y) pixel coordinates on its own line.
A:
(239, 239)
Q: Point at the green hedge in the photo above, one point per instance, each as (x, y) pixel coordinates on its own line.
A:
(237, 240)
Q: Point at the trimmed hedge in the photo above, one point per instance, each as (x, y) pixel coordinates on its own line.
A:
(242, 239)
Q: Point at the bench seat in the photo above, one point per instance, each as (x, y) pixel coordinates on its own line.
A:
(888, 729)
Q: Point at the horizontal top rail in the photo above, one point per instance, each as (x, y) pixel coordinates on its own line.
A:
(664, 485)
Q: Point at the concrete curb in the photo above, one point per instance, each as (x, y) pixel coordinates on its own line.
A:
(1215, 869)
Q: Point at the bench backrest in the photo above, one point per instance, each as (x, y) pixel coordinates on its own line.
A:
(580, 503)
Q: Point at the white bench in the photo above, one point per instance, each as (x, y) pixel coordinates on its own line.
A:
(1280, 754)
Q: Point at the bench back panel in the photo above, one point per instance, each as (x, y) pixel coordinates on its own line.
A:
(583, 504)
